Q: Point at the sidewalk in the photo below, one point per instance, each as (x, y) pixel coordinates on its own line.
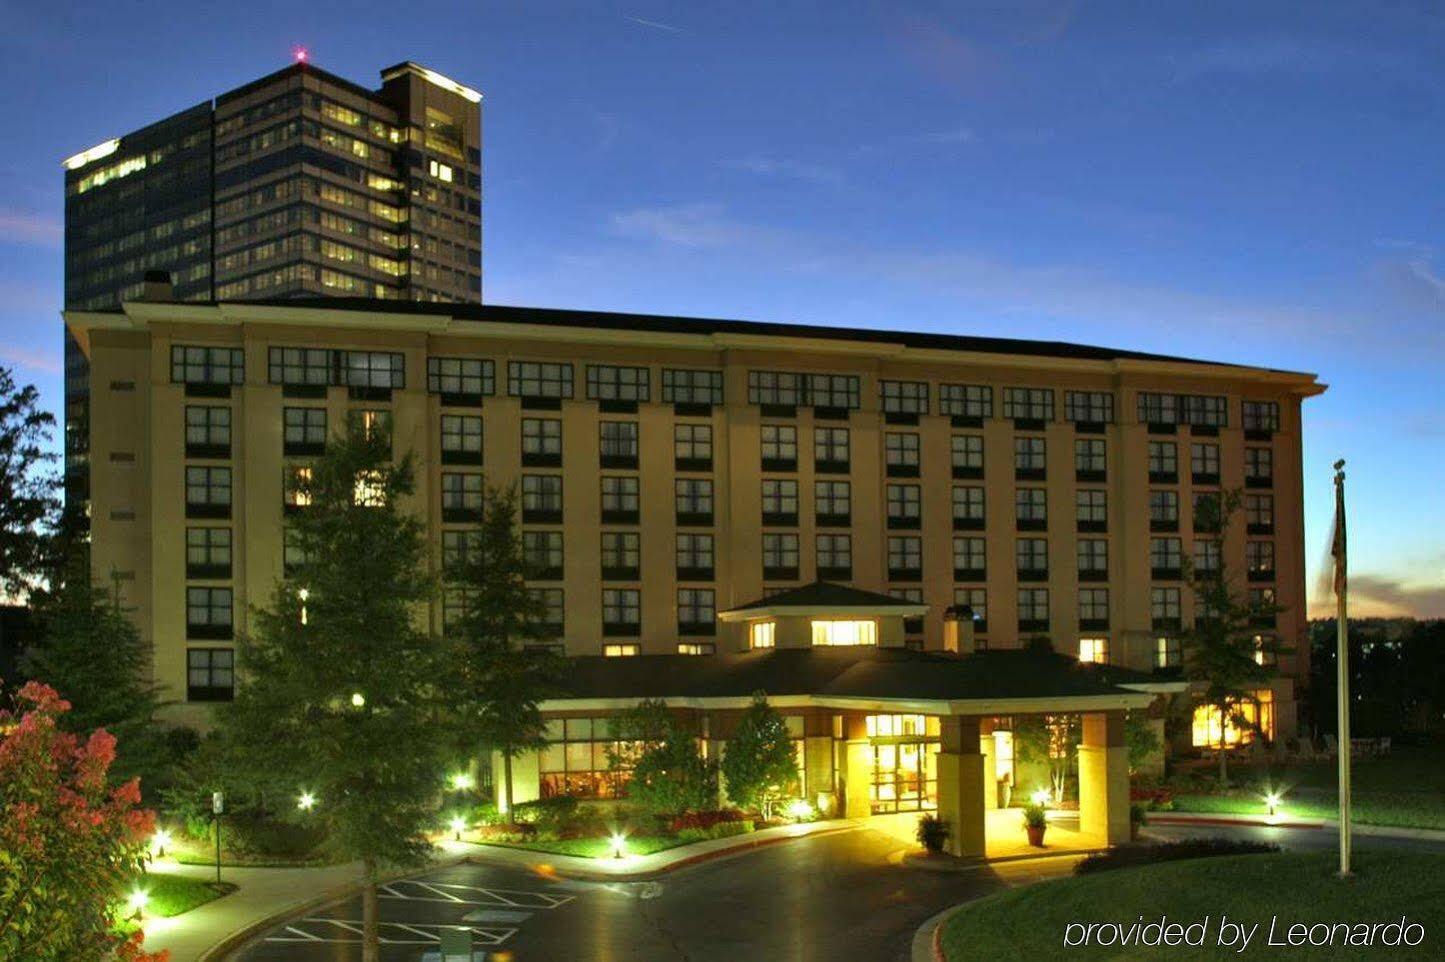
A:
(1286, 821)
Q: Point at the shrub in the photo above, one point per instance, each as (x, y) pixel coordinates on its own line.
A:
(727, 829)
(485, 814)
(1138, 813)
(703, 819)
(551, 812)
(1132, 856)
(1158, 799)
(255, 838)
(932, 833)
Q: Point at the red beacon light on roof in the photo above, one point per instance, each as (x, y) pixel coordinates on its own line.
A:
(300, 53)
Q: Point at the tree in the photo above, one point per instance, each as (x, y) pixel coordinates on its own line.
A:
(28, 503)
(499, 682)
(1224, 651)
(69, 842)
(339, 687)
(668, 774)
(759, 763)
(1051, 741)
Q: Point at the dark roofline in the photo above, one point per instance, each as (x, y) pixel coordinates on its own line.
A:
(296, 69)
(823, 594)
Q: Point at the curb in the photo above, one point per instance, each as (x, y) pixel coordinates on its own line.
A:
(1248, 821)
(962, 865)
(927, 944)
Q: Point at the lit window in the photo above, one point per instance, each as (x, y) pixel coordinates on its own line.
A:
(1168, 653)
(845, 633)
(621, 651)
(763, 634)
(896, 726)
(1240, 724)
(370, 490)
(696, 648)
(1094, 649)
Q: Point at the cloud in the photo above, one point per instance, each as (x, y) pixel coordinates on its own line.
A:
(34, 360)
(695, 225)
(656, 25)
(788, 169)
(30, 229)
(1378, 595)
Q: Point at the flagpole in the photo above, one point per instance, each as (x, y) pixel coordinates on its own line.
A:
(1342, 665)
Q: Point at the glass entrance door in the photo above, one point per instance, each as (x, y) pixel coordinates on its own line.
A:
(905, 777)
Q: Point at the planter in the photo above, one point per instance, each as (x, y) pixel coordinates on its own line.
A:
(1036, 835)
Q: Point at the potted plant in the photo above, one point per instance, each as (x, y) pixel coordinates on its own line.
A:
(1035, 822)
(1138, 816)
(932, 833)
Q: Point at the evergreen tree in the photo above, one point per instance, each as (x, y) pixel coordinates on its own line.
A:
(28, 502)
(758, 763)
(667, 773)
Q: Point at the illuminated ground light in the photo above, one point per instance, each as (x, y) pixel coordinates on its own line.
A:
(462, 782)
(160, 841)
(619, 845)
(137, 901)
(306, 801)
(458, 825)
(800, 809)
(358, 700)
(1273, 802)
(1041, 797)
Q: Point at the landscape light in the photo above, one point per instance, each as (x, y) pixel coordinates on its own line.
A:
(619, 844)
(1273, 801)
(306, 801)
(1041, 797)
(160, 841)
(458, 825)
(800, 808)
(462, 782)
(357, 699)
(138, 900)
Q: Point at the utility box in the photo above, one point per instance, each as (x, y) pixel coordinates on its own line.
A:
(456, 944)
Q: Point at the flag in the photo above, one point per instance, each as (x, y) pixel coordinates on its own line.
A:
(1337, 544)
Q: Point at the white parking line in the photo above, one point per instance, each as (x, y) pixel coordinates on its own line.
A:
(390, 933)
(405, 890)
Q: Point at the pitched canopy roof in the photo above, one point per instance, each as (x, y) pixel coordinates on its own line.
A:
(821, 597)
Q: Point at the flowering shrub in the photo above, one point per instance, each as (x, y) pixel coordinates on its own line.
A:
(68, 842)
(704, 819)
(1153, 799)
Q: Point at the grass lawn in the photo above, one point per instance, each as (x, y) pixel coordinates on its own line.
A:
(597, 847)
(172, 895)
(1032, 922)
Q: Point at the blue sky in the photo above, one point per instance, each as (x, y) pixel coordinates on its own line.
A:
(1255, 182)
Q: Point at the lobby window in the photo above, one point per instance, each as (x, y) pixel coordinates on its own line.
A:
(461, 497)
(460, 550)
(461, 439)
(1206, 556)
(1259, 560)
(844, 633)
(1163, 462)
(208, 432)
(967, 455)
(696, 611)
(1030, 462)
(1158, 408)
(1028, 404)
(533, 379)
(208, 552)
(1032, 555)
(1259, 513)
(607, 382)
(969, 562)
(1093, 556)
(1090, 461)
(208, 492)
(692, 447)
(835, 557)
(1093, 608)
(577, 761)
(975, 600)
(1091, 509)
(1031, 509)
(694, 557)
(694, 500)
(905, 558)
(903, 397)
(1239, 724)
(210, 674)
(692, 387)
(1164, 608)
(901, 726)
(541, 442)
(833, 503)
(905, 505)
(965, 400)
(901, 454)
(373, 369)
(1168, 652)
(1095, 650)
(830, 449)
(696, 648)
(780, 501)
(551, 610)
(776, 388)
(208, 612)
(303, 431)
(1204, 463)
(621, 612)
(780, 556)
(1261, 416)
(779, 447)
(617, 444)
(542, 554)
(1164, 510)
(1089, 407)
(621, 556)
(1166, 558)
(542, 498)
(1033, 609)
(461, 378)
(628, 649)
(968, 507)
(763, 634)
(215, 366)
(620, 499)
(301, 366)
(839, 391)
(1258, 467)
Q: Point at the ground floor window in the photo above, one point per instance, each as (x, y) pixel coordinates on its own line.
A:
(905, 777)
(576, 761)
(1238, 726)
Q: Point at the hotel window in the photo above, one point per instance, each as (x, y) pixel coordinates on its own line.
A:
(1258, 467)
(1259, 513)
(621, 556)
(912, 624)
(304, 430)
(1262, 607)
(1033, 609)
(965, 400)
(1090, 462)
(461, 439)
(621, 612)
(976, 600)
(1032, 555)
(207, 365)
(904, 397)
(901, 454)
(1204, 463)
(210, 674)
(967, 454)
(1261, 415)
(1266, 651)
(692, 447)
(208, 552)
(775, 388)
(780, 556)
(374, 424)
(834, 391)
(1095, 650)
(1166, 558)
(373, 369)
(905, 504)
(1093, 559)
(696, 611)
(1029, 459)
(779, 447)
(1205, 410)
(1206, 556)
(1164, 510)
(1158, 408)
(577, 760)
(369, 489)
(763, 634)
(1206, 511)
(208, 492)
(301, 366)
(694, 557)
(696, 648)
(905, 558)
(1089, 407)
(622, 650)
(833, 503)
(968, 507)
(541, 498)
(461, 377)
(830, 449)
(460, 549)
(461, 497)
(844, 634)
(1163, 462)
(542, 554)
(208, 432)
(533, 379)
(1031, 509)
(692, 387)
(1259, 560)
(606, 382)
(1168, 652)
(1091, 508)
(1240, 723)
(693, 500)
(208, 612)
(293, 551)
(969, 562)
(780, 501)
(541, 442)
(618, 444)
(1028, 404)
(1093, 608)
(551, 610)
(835, 557)
(1164, 608)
